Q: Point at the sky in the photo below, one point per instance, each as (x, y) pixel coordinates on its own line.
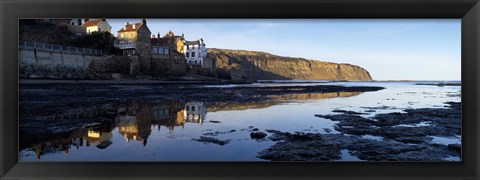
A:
(390, 49)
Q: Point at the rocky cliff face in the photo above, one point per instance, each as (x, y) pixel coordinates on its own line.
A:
(252, 65)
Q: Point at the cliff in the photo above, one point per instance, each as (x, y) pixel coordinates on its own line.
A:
(253, 65)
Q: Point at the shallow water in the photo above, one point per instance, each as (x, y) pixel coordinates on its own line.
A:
(167, 133)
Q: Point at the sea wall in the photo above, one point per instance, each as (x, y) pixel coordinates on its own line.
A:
(172, 65)
(42, 57)
(45, 64)
(252, 65)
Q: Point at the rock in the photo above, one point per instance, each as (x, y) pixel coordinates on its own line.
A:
(348, 112)
(327, 147)
(258, 135)
(218, 132)
(212, 140)
(443, 122)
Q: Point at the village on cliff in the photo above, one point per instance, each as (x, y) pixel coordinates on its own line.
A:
(79, 49)
(134, 53)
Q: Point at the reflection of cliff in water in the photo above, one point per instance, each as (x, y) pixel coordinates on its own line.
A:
(229, 106)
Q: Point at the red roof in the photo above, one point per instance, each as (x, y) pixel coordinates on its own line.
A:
(92, 22)
(129, 27)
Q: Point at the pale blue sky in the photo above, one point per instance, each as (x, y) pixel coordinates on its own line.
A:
(388, 49)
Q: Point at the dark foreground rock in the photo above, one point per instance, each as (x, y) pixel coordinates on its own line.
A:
(258, 135)
(403, 127)
(402, 138)
(327, 147)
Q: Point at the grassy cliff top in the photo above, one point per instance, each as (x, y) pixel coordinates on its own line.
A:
(264, 55)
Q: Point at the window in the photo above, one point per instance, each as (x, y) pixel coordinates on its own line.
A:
(166, 51)
(193, 54)
(193, 108)
(121, 35)
(188, 54)
(188, 108)
(188, 47)
(193, 46)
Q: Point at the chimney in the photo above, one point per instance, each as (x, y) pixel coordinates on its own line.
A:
(158, 34)
(104, 19)
(133, 26)
(86, 20)
(144, 21)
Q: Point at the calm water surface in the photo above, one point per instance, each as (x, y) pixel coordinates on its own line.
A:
(164, 131)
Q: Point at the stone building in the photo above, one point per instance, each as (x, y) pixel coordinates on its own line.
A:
(166, 44)
(167, 56)
(134, 39)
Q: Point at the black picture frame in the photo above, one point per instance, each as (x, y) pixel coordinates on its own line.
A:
(467, 10)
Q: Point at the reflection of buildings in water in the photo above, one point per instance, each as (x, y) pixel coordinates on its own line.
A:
(51, 146)
(134, 120)
(97, 137)
(195, 112)
(79, 139)
(168, 114)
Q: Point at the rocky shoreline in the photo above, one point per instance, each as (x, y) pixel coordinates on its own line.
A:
(402, 139)
(405, 136)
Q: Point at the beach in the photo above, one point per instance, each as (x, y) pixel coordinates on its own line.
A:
(273, 120)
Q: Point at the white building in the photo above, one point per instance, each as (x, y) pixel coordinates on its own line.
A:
(77, 22)
(97, 25)
(195, 51)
